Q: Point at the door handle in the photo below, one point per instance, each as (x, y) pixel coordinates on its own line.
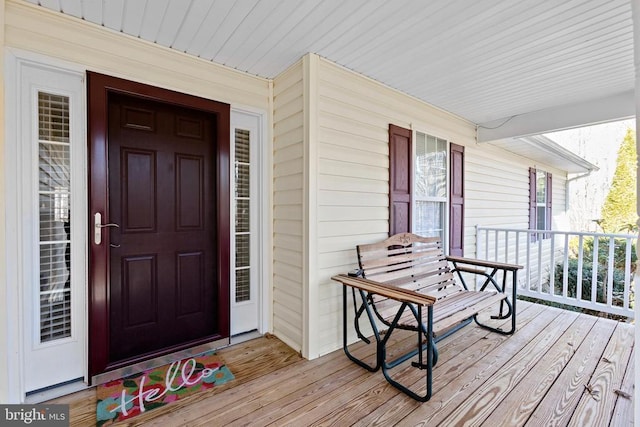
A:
(98, 226)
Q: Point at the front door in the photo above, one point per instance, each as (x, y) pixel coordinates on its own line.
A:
(160, 247)
(163, 240)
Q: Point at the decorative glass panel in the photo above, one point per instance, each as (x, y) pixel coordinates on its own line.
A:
(55, 228)
(243, 214)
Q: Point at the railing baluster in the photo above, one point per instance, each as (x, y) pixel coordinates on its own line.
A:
(552, 266)
(627, 273)
(540, 243)
(486, 245)
(580, 264)
(528, 261)
(595, 262)
(612, 247)
(565, 267)
(506, 246)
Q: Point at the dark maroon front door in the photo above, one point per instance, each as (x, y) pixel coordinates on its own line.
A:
(162, 256)
(159, 184)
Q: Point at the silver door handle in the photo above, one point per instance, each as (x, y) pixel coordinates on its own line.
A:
(98, 226)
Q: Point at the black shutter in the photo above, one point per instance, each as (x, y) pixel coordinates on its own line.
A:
(400, 180)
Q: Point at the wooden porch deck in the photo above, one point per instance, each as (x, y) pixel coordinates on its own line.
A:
(559, 368)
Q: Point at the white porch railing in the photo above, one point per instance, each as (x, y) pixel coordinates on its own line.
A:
(559, 266)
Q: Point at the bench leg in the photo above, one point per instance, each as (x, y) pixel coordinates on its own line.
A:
(364, 307)
(432, 354)
(511, 305)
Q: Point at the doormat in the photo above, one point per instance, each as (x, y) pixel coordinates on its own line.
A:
(127, 397)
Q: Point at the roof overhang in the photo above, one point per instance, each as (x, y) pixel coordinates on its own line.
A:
(610, 108)
(541, 149)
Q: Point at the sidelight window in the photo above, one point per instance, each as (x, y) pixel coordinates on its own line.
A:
(54, 195)
(243, 215)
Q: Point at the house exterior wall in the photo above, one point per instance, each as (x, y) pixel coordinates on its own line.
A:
(61, 41)
(288, 197)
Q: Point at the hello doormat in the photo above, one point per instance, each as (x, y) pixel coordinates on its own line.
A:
(127, 397)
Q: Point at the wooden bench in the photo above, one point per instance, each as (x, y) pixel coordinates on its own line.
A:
(406, 282)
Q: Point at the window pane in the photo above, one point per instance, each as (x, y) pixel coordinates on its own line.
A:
(242, 216)
(430, 219)
(55, 313)
(54, 166)
(243, 288)
(541, 218)
(242, 250)
(541, 188)
(53, 117)
(242, 146)
(431, 166)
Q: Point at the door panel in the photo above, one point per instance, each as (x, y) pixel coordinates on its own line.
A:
(159, 170)
(161, 180)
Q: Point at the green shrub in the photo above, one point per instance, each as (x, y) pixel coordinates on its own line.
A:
(587, 277)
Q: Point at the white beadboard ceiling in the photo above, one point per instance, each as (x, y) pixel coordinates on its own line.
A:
(484, 60)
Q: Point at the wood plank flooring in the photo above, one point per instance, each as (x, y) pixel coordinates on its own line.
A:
(559, 368)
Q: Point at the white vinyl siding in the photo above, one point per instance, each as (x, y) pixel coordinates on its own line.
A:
(288, 179)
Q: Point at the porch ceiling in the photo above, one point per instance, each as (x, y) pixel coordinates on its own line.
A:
(506, 65)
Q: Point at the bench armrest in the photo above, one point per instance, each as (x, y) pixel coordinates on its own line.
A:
(483, 263)
(388, 291)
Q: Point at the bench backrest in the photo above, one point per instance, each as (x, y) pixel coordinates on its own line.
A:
(411, 262)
